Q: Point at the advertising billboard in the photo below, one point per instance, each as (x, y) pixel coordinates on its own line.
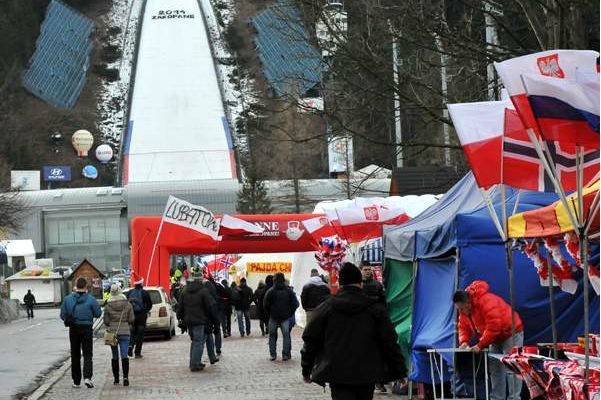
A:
(57, 173)
(25, 180)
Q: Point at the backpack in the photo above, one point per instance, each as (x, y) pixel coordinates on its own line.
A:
(135, 298)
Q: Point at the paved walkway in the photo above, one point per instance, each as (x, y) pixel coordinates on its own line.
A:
(244, 372)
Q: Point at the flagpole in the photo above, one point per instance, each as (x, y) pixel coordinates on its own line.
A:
(552, 302)
(493, 213)
(509, 262)
(550, 169)
(593, 214)
(583, 256)
(156, 241)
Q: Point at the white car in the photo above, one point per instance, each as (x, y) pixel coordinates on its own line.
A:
(162, 319)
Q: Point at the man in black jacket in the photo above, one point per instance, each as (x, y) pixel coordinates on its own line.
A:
(360, 340)
(142, 304)
(315, 292)
(279, 304)
(226, 297)
(372, 288)
(244, 297)
(197, 309)
(29, 301)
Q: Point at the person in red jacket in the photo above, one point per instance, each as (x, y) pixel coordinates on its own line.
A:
(487, 317)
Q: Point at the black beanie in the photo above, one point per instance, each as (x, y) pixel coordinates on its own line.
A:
(349, 274)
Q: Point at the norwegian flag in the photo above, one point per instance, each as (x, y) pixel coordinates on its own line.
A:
(499, 150)
(554, 63)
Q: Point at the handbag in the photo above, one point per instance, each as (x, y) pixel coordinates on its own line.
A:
(110, 337)
(69, 319)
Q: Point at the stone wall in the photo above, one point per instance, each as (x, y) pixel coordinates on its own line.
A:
(10, 310)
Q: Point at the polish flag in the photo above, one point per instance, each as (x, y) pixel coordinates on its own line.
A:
(479, 127)
(563, 109)
(364, 219)
(553, 63)
(318, 227)
(232, 226)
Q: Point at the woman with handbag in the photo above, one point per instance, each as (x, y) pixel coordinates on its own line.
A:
(118, 317)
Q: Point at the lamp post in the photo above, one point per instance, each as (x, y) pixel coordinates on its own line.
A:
(56, 138)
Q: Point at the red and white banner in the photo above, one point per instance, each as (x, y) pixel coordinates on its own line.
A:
(232, 226)
(364, 218)
(185, 214)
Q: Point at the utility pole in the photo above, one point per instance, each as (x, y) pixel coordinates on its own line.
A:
(397, 102)
(445, 100)
(491, 10)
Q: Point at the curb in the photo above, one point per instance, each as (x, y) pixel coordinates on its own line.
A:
(48, 383)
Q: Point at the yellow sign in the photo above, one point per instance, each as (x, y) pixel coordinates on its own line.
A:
(269, 267)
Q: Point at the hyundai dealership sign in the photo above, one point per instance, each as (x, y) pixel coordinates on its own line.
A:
(60, 173)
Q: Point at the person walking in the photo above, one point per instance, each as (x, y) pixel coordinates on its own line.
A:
(279, 304)
(351, 343)
(258, 298)
(485, 318)
(226, 297)
(375, 291)
(196, 310)
(244, 296)
(78, 312)
(214, 327)
(142, 304)
(29, 301)
(119, 317)
(314, 292)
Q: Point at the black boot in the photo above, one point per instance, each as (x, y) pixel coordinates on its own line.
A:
(125, 362)
(115, 367)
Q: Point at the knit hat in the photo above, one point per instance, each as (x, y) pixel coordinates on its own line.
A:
(349, 274)
(115, 290)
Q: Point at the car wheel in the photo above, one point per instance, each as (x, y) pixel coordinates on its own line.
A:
(168, 335)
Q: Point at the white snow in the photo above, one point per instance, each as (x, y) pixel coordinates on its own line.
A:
(112, 97)
(176, 119)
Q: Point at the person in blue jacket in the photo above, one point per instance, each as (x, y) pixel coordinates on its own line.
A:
(78, 312)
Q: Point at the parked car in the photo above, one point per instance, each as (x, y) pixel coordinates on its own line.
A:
(162, 319)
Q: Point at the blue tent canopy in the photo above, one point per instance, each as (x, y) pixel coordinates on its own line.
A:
(461, 221)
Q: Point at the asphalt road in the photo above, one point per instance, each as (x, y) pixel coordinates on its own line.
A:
(29, 349)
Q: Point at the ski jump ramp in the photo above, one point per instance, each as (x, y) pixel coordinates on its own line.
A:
(177, 129)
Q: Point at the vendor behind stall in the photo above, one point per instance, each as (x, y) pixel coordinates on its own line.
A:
(487, 317)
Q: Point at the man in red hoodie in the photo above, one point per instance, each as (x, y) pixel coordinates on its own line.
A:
(487, 317)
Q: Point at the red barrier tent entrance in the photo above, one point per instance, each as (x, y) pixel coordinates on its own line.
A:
(283, 233)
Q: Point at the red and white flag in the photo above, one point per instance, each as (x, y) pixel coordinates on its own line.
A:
(552, 63)
(232, 226)
(190, 216)
(319, 227)
(364, 218)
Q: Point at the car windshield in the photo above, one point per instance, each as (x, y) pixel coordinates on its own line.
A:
(155, 296)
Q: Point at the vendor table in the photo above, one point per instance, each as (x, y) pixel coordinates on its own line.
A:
(433, 353)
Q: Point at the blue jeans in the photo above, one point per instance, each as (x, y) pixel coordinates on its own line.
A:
(121, 348)
(197, 334)
(500, 381)
(246, 315)
(273, 337)
(210, 342)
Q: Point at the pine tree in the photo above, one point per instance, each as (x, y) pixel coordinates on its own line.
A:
(253, 198)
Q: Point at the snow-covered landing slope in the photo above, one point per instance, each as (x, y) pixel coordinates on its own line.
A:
(177, 128)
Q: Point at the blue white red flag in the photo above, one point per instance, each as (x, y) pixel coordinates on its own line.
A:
(560, 64)
(563, 110)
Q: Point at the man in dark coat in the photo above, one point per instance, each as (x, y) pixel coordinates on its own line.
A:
(244, 297)
(214, 329)
(29, 301)
(315, 292)
(142, 304)
(351, 343)
(279, 304)
(372, 288)
(226, 297)
(258, 298)
(197, 309)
